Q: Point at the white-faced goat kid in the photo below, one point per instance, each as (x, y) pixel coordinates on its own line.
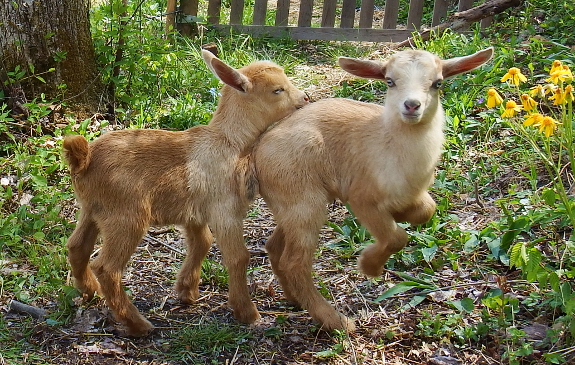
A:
(379, 159)
(127, 180)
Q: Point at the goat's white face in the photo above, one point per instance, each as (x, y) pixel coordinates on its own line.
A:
(413, 80)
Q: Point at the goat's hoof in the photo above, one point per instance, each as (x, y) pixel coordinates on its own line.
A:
(247, 316)
(188, 296)
(138, 330)
(340, 323)
(369, 267)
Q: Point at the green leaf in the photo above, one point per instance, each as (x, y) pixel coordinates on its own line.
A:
(549, 196)
(429, 252)
(400, 288)
(414, 302)
(463, 305)
(515, 255)
(41, 79)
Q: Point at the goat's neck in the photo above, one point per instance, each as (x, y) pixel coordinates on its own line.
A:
(238, 128)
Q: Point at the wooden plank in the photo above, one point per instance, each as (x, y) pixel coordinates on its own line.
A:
(305, 11)
(464, 5)
(366, 14)
(326, 34)
(347, 14)
(328, 13)
(390, 14)
(282, 12)
(486, 22)
(214, 7)
(260, 7)
(415, 14)
(236, 11)
(439, 11)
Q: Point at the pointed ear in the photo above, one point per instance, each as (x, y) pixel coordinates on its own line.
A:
(363, 68)
(458, 65)
(227, 74)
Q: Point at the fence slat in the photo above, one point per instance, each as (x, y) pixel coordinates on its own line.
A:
(439, 11)
(366, 14)
(328, 13)
(390, 14)
(347, 14)
(415, 14)
(305, 11)
(214, 7)
(236, 12)
(282, 12)
(260, 7)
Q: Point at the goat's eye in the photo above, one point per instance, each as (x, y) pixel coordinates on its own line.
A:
(437, 84)
(389, 82)
(278, 90)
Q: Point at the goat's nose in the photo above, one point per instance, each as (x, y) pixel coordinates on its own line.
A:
(412, 105)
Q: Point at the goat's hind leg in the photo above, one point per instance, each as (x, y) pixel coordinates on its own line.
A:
(119, 242)
(80, 247)
(275, 247)
(294, 267)
(198, 240)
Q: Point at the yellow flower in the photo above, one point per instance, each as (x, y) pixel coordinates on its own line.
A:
(514, 76)
(568, 72)
(558, 96)
(511, 108)
(568, 94)
(493, 98)
(533, 119)
(547, 125)
(560, 75)
(528, 103)
(537, 91)
(556, 66)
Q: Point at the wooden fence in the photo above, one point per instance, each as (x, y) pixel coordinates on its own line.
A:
(334, 20)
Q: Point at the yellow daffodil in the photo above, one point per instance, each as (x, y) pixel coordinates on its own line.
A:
(547, 125)
(532, 119)
(493, 98)
(514, 76)
(511, 108)
(528, 103)
(558, 96)
(560, 75)
(555, 66)
(568, 94)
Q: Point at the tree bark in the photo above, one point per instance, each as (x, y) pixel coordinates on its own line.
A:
(49, 41)
(462, 19)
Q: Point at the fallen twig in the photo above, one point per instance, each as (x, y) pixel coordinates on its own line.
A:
(34, 312)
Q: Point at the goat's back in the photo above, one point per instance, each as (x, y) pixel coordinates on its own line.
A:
(166, 176)
(336, 147)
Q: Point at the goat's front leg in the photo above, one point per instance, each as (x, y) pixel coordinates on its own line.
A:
(417, 213)
(119, 242)
(236, 257)
(198, 240)
(389, 237)
(80, 246)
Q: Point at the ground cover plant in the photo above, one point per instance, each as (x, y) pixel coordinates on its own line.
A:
(488, 280)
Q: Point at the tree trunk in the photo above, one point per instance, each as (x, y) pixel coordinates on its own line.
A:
(49, 42)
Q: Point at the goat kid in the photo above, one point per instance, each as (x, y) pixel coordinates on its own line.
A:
(127, 180)
(379, 159)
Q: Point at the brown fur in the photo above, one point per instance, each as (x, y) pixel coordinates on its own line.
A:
(380, 160)
(127, 180)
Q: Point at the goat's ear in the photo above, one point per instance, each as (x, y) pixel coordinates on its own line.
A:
(229, 75)
(458, 65)
(363, 68)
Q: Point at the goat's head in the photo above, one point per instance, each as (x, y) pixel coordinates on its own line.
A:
(413, 78)
(262, 85)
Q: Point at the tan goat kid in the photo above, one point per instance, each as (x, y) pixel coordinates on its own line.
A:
(127, 180)
(380, 160)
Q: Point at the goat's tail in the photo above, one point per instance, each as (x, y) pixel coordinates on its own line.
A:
(76, 153)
